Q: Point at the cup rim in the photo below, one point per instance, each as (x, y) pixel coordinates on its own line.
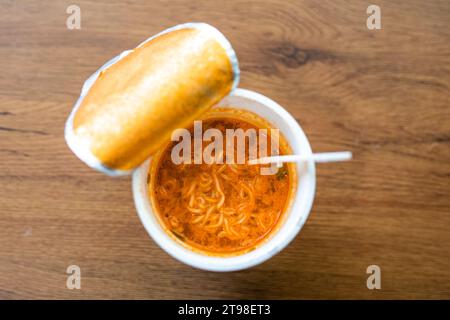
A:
(296, 217)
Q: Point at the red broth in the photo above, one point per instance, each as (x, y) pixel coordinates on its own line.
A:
(219, 208)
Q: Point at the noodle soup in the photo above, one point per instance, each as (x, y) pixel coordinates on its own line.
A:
(221, 208)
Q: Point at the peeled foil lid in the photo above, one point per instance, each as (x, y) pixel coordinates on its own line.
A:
(131, 105)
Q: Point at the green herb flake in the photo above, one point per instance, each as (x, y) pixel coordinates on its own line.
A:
(282, 172)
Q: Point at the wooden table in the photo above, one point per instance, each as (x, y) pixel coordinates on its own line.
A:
(383, 94)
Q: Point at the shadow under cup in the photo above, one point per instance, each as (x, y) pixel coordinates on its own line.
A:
(294, 217)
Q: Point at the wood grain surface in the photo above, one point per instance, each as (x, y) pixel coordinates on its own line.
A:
(383, 94)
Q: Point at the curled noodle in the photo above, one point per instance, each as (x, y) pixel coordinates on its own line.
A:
(218, 206)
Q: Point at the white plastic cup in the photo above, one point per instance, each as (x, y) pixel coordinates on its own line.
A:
(296, 214)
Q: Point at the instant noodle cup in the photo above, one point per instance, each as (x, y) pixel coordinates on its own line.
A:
(123, 122)
(130, 106)
(301, 195)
